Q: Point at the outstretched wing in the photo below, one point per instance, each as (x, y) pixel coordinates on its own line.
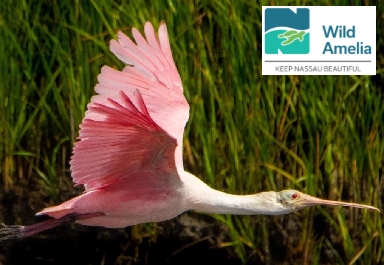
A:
(154, 74)
(124, 143)
(136, 121)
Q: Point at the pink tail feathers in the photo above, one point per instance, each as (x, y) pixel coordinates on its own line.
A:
(15, 232)
(59, 211)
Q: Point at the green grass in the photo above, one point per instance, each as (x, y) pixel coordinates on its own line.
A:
(247, 132)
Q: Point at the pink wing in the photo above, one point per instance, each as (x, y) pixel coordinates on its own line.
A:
(136, 122)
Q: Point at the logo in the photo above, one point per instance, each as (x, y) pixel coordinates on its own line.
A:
(319, 40)
(286, 31)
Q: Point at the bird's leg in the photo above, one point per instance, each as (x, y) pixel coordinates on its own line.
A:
(14, 232)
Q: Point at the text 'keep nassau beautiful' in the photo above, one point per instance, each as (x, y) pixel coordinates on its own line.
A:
(317, 68)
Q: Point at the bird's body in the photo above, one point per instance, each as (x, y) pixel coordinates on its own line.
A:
(119, 207)
(129, 153)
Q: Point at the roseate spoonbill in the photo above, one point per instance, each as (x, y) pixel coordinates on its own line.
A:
(129, 153)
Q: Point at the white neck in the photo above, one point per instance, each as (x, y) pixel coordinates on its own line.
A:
(202, 198)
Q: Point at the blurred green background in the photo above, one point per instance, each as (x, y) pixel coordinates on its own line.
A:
(247, 133)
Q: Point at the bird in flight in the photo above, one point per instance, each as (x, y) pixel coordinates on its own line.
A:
(129, 151)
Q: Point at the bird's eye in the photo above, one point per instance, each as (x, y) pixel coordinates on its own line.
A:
(294, 196)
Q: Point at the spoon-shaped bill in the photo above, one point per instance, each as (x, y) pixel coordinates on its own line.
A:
(312, 201)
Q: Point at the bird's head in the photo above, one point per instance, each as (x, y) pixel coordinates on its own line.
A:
(295, 200)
